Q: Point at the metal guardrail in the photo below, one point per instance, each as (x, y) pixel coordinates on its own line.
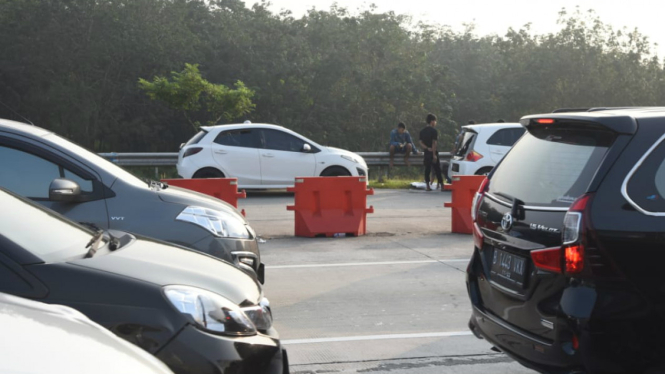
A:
(171, 158)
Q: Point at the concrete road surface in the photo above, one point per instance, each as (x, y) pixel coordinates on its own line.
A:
(393, 301)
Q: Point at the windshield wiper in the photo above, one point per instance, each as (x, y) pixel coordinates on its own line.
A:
(93, 244)
(153, 184)
(517, 210)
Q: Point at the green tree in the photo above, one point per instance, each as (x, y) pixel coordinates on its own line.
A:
(189, 93)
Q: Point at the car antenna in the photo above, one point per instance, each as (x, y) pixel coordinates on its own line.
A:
(15, 112)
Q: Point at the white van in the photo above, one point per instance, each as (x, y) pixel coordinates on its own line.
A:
(480, 147)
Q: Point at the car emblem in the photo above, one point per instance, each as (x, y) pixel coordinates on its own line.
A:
(507, 222)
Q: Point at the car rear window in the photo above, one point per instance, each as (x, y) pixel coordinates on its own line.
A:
(551, 166)
(464, 142)
(196, 138)
(646, 187)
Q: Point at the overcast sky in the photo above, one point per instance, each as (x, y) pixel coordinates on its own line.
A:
(495, 17)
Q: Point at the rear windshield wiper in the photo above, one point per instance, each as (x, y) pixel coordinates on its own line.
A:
(517, 210)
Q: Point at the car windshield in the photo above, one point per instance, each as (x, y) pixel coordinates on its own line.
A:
(41, 232)
(98, 161)
(551, 167)
(196, 138)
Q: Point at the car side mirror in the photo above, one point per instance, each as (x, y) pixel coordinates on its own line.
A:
(306, 148)
(181, 145)
(64, 190)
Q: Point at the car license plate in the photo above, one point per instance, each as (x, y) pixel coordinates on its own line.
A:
(508, 269)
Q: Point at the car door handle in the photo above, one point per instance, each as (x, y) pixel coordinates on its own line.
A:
(219, 152)
(268, 155)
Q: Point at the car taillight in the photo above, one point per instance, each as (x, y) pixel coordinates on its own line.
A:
(473, 156)
(574, 255)
(570, 256)
(547, 259)
(192, 151)
(478, 237)
(477, 198)
(572, 235)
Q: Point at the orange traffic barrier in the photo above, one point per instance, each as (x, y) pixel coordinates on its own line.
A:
(222, 188)
(463, 188)
(326, 206)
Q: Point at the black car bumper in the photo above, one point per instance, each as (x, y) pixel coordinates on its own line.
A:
(534, 353)
(194, 351)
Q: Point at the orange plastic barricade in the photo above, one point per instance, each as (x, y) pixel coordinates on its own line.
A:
(325, 206)
(222, 188)
(463, 188)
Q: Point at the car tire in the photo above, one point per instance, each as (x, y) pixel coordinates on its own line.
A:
(484, 171)
(335, 171)
(208, 173)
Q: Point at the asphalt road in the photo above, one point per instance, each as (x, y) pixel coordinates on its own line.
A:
(393, 301)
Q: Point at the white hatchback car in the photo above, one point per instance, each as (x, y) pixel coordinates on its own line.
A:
(40, 338)
(480, 147)
(262, 156)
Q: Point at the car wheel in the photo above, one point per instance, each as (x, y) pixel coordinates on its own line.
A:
(335, 171)
(484, 171)
(208, 173)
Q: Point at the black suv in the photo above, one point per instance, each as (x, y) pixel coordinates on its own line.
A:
(569, 234)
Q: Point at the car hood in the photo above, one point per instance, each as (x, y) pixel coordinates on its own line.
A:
(65, 341)
(163, 264)
(344, 152)
(187, 197)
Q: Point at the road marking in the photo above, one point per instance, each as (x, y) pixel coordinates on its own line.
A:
(377, 337)
(366, 264)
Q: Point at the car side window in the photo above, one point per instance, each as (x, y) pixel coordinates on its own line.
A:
(30, 175)
(505, 137)
(246, 138)
(516, 134)
(646, 187)
(282, 141)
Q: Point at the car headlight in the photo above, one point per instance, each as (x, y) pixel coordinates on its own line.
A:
(219, 223)
(352, 159)
(215, 313)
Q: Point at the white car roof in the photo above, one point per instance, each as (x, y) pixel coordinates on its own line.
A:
(242, 126)
(492, 126)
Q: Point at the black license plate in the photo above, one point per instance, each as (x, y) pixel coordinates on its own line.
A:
(508, 269)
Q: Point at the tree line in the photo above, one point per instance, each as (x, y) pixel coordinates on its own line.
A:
(342, 78)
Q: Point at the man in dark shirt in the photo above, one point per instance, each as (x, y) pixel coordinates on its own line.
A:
(428, 140)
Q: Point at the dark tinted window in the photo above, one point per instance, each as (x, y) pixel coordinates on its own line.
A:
(506, 137)
(29, 175)
(247, 138)
(281, 141)
(464, 142)
(647, 186)
(197, 138)
(551, 166)
(40, 231)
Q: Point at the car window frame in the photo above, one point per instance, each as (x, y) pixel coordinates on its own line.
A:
(99, 190)
(506, 132)
(257, 139)
(633, 171)
(263, 131)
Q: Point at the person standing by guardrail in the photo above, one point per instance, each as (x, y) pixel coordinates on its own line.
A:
(428, 139)
(401, 142)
